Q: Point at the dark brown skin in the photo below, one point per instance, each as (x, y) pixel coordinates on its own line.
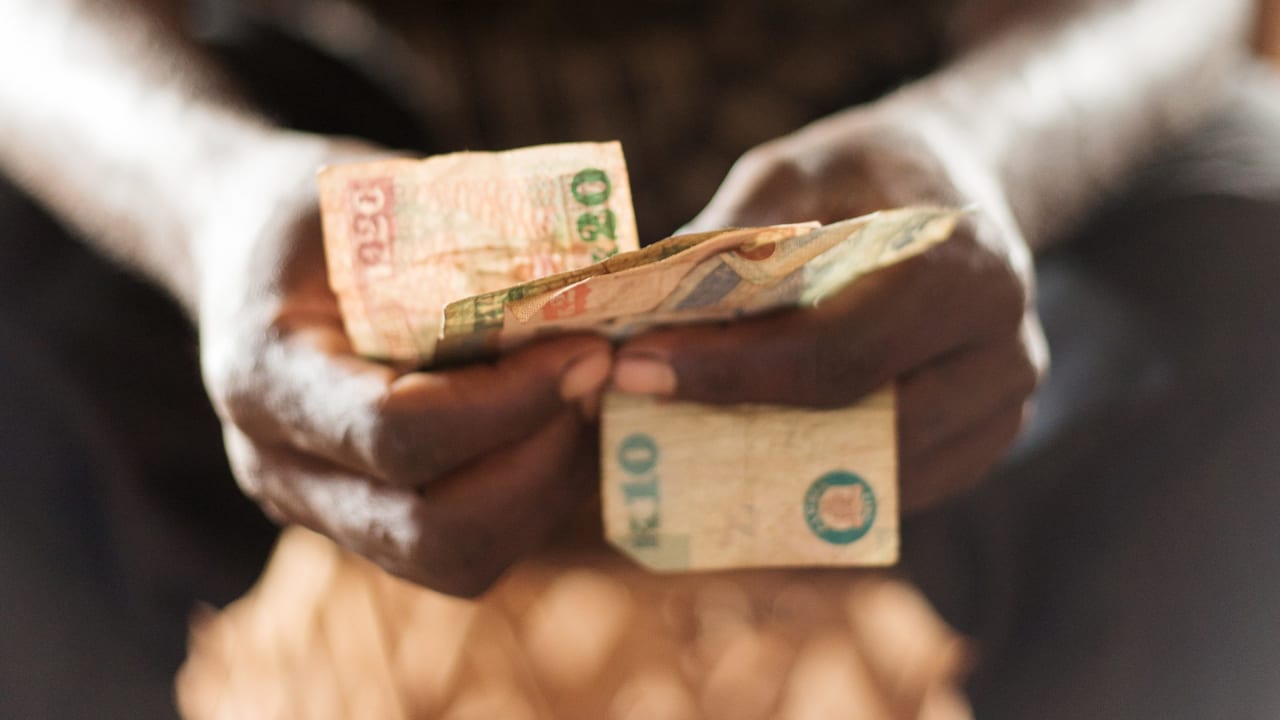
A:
(954, 327)
(447, 478)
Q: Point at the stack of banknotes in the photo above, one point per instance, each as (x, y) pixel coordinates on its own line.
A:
(458, 258)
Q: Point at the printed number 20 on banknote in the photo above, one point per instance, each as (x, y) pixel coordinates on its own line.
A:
(403, 238)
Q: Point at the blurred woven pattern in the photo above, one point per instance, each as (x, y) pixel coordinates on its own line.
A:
(325, 634)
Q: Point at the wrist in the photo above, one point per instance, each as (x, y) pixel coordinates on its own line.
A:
(258, 190)
(260, 217)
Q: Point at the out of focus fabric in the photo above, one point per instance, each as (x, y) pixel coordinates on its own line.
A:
(325, 634)
(1120, 564)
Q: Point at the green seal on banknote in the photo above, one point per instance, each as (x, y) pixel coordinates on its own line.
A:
(638, 454)
(840, 507)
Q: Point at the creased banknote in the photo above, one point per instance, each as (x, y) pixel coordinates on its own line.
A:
(714, 276)
(405, 237)
(698, 487)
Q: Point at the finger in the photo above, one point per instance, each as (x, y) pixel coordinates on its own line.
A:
(885, 324)
(943, 398)
(306, 390)
(489, 515)
(458, 536)
(961, 463)
(806, 357)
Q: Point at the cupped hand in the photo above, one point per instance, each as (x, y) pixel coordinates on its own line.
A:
(954, 328)
(445, 478)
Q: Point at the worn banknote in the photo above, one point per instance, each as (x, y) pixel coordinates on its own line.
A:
(713, 276)
(403, 237)
(699, 487)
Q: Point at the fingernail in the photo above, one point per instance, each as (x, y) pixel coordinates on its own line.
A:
(644, 375)
(585, 376)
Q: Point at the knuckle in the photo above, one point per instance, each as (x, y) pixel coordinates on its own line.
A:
(242, 403)
(1026, 372)
(1007, 297)
(762, 186)
(402, 451)
(762, 161)
(966, 234)
(251, 485)
(992, 269)
(274, 511)
(247, 466)
(234, 377)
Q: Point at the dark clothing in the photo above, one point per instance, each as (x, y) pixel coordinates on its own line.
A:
(687, 87)
(1121, 564)
(118, 510)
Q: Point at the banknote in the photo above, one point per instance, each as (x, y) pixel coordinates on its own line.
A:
(472, 324)
(713, 277)
(404, 237)
(699, 487)
(591, 299)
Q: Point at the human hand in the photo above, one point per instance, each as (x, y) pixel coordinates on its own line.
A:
(441, 477)
(955, 328)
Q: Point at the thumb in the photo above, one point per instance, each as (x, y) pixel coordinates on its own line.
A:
(782, 359)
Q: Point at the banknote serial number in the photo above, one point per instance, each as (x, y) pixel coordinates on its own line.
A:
(372, 222)
(592, 189)
(638, 458)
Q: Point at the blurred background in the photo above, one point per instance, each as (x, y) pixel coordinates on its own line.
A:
(573, 637)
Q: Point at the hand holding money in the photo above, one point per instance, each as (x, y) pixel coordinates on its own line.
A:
(442, 477)
(809, 346)
(404, 237)
(956, 330)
